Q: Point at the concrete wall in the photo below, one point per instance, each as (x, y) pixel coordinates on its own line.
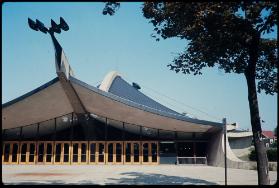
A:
(216, 154)
(241, 142)
(241, 145)
(216, 150)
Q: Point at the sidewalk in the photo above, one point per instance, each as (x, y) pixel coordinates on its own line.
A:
(127, 174)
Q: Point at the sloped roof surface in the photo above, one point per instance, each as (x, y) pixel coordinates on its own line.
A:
(268, 134)
(131, 103)
(53, 81)
(124, 90)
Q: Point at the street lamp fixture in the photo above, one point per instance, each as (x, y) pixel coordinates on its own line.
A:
(63, 68)
(55, 28)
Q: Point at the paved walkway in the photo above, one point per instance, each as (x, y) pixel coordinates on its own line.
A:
(127, 174)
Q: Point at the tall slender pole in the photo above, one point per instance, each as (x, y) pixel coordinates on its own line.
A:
(20, 137)
(225, 148)
(38, 131)
(123, 131)
(87, 127)
(106, 130)
(72, 127)
(123, 138)
(176, 147)
(141, 133)
(54, 129)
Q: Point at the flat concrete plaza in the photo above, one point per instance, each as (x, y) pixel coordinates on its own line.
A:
(127, 174)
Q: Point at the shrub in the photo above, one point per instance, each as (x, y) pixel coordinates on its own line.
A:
(271, 155)
(252, 155)
(273, 145)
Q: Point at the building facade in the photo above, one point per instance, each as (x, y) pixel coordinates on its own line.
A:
(67, 121)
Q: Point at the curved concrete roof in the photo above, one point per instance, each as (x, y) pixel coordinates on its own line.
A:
(125, 90)
(50, 101)
(239, 134)
(107, 81)
(43, 103)
(109, 105)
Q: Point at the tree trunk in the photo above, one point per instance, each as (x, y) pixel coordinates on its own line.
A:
(261, 156)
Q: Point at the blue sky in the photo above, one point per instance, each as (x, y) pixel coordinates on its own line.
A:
(97, 44)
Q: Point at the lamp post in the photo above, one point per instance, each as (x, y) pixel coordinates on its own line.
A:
(225, 148)
(63, 68)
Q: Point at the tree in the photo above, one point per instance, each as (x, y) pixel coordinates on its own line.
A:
(227, 35)
(275, 131)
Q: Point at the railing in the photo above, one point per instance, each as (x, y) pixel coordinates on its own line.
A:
(191, 160)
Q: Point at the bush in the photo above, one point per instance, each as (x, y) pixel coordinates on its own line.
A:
(271, 155)
(252, 155)
(273, 145)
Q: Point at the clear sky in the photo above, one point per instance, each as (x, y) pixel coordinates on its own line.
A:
(97, 44)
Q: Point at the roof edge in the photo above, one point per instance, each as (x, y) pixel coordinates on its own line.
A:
(142, 107)
(108, 80)
(53, 81)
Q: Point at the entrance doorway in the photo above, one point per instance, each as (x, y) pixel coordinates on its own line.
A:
(168, 153)
(150, 153)
(132, 153)
(100, 153)
(191, 153)
(79, 152)
(114, 153)
(15, 151)
(27, 153)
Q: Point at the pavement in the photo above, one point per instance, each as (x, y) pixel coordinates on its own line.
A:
(128, 174)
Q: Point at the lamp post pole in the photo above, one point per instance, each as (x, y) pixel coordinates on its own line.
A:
(55, 28)
(225, 148)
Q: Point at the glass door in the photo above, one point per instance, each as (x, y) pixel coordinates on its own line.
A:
(41, 153)
(58, 152)
(6, 153)
(100, 153)
(128, 153)
(136, 159)
(154, 150)
(75, 152)
(23, 153)
(66, 153)
(49, 152)
(15, 153)
(110, 153)
(27, 153)
(83, 152)
(150, 152)
(92, 153)
(114, 153)
(118, 153)
(31, 152)
(145, 152)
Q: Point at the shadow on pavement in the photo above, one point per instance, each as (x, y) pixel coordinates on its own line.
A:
(130, 178)
(157, 179)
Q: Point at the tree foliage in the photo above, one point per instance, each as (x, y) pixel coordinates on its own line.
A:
(219, 34)
(110, 8)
